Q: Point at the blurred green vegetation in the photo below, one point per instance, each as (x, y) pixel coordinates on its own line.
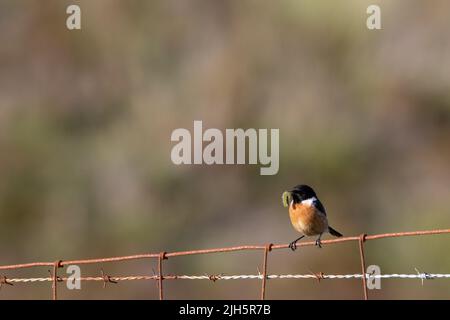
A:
(86, 118)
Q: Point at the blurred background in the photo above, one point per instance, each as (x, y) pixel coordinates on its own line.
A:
(86, 118)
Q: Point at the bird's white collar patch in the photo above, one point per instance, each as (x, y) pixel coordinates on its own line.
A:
(309, 202)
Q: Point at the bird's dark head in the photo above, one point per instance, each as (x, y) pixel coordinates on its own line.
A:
(302, 192)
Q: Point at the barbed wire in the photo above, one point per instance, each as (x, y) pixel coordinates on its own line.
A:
(424, 276)
(361, 239)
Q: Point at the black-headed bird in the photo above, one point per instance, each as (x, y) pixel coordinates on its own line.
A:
(307, 213)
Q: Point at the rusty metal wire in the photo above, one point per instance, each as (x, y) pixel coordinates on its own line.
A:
(362, 238)
(264, 275)
(54, 278)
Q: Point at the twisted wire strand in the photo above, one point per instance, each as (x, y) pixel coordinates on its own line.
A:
(426, 276)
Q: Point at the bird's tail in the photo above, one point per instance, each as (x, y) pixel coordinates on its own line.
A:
(334, 232)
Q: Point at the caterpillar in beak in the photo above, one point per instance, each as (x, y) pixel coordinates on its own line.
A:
(286, 198)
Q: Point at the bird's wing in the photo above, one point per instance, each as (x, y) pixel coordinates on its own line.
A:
(319, 206)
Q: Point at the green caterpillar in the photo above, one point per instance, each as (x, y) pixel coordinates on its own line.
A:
(286, 198)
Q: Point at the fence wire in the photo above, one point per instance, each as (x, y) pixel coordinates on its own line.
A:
(361, 239)
(423, 276)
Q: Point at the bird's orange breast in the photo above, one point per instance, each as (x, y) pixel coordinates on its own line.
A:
(307, 220)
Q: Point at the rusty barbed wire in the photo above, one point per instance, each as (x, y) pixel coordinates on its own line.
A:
(160, 277)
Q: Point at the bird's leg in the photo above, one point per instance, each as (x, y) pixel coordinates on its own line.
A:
(318, 241)
(293, 244)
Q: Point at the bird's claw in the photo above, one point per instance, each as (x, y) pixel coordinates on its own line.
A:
(293, 245)
(319, 243)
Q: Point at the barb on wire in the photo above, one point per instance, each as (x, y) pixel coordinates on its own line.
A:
(214, 277)
(106, 279)
(3, 281)
(319, 276)
(423, 275)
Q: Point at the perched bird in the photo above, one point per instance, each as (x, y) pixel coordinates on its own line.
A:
(308, 216)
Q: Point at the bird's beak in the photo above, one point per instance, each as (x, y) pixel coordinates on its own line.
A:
(286, 198)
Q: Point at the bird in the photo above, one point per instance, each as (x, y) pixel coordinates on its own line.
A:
(307, 214)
